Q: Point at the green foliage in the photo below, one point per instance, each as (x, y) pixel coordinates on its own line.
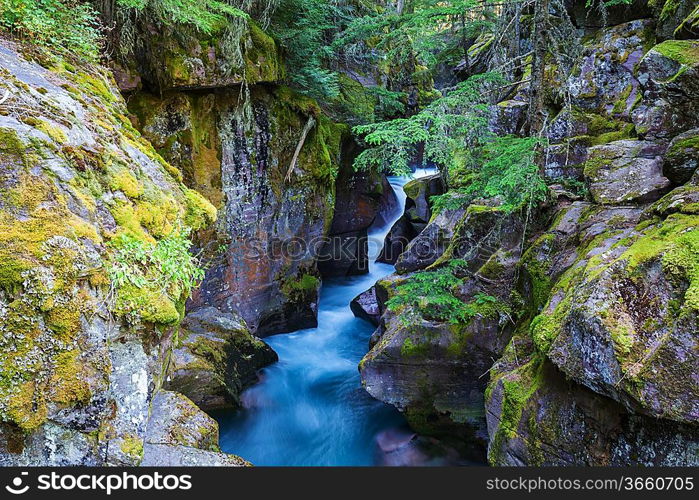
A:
(455, 135)
(434, 295)
(148, 279)
(304, 29)
(453, 199)
(65, 26)
(207, 16)
(510, 173)
(428, 31)
(448, 128)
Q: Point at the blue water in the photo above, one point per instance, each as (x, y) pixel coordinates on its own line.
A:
(310, 408)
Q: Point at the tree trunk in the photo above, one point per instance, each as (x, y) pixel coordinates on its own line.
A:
(400, 6)
(537, 114)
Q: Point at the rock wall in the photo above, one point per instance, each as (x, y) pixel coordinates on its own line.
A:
(264, 249)
(82, 357)
(586, 354)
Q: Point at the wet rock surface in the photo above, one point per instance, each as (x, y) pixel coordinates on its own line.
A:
(216, 359)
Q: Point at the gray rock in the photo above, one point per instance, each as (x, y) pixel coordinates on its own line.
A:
(366, 306)
(682, 157)
(538, 417)
(264, 250)
(165, 455)
(216, 359)
(626, 171)
(430, 244)
(177, 421)
(669, 76)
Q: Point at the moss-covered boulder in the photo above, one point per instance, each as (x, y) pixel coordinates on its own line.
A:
(216, 357)
(180, 434)
(538, 417)
(431, 243)
(174, 54)
(681, 159)
(622, 319)
(668, 74)
(82, 347)
(603, 80)
(626, 171)
(689, 27)
(442, 327)
(675, 18)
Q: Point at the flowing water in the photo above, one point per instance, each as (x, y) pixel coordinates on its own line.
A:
(310, 408)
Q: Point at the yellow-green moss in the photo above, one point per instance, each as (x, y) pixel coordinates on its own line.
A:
(53, 131)
(685, 52)
(124, 181)
(132, 445)
(68, 382)
(200, 212)
(414, 348)
(262, 57)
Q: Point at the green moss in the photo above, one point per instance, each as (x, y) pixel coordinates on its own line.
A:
(55, 132)
(410, 348)
(621, 102)
(628, 131)
(68, 382)
(301, 287)
(518, 388)
(685, 52)
(262, 59)
(124, 181)
(298, 102)
(132, 446)
(200, 213)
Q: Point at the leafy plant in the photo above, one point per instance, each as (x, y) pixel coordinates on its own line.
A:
(510, 173)
(434, 295)
(149, 279)
(207, 16)
(450, 128)
(67, 26)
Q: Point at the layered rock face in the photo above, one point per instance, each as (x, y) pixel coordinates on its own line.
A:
(588, 335)
(273, 216)
(84, 350)
(362, 198)
(204, 108)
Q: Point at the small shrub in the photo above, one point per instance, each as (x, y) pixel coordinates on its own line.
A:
(149, 280)
(69, 26)
(432, 294)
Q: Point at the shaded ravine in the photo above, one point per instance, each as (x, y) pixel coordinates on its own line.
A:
(310, 408)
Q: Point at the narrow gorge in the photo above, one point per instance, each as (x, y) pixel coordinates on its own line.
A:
(302, 232)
